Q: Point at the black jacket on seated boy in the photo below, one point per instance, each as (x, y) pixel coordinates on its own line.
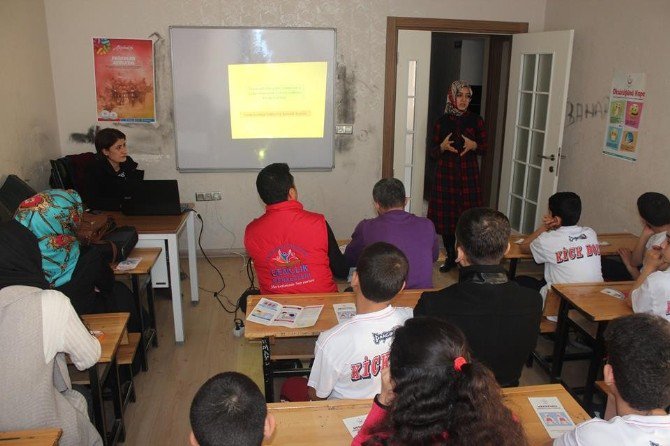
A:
(500, 319)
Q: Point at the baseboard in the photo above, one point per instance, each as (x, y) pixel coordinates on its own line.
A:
(217, 253)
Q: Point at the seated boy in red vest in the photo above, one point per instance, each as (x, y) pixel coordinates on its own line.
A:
(294, 250)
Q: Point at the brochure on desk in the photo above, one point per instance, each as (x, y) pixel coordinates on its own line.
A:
(269, 312)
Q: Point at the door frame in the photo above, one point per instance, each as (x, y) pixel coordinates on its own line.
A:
(393, 25)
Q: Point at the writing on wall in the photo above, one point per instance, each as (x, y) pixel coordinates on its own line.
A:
(578, 111)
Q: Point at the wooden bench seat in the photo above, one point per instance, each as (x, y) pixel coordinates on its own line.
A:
(126, 353)
(293, 348)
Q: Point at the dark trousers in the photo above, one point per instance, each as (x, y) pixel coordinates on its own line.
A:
(449, 241)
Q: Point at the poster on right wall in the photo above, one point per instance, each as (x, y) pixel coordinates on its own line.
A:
(625, 111)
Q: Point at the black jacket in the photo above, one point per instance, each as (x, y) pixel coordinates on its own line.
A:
(499, 318)
(106, 188)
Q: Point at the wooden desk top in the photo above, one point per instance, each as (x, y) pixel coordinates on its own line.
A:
(32, 437)
(616, 240)
(327, 318)
(151, 224)
(589, 300)
(149, 257)
(113, 325)
(320, 422)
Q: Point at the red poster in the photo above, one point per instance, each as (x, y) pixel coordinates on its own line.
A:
(124, 80)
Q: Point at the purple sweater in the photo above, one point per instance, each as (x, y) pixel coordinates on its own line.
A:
(414, 236)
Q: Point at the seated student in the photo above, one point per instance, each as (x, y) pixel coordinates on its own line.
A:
(230, 410)
(570, 253)
(651, 290)
(654, 210)
(414, 236)
(37, 326)
(79, 272)
(294, 250)
(114, 174)
(638, 376)
(500, 319)
(437, 394)
(349, 358)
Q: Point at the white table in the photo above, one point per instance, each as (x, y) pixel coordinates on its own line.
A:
(166, 229)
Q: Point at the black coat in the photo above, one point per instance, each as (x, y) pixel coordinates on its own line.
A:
(501, 321)
(106, 188)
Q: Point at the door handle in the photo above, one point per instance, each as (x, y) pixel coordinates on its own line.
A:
(551, 157)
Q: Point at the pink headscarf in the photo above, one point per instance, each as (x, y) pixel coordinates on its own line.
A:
(455, 87)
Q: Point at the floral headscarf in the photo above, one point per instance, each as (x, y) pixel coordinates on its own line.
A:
(53, 216)
(455, 87)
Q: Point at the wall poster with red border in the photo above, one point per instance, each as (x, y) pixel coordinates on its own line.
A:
(124, 80)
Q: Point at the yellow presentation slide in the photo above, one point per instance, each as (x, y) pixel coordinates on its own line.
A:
(277, 100)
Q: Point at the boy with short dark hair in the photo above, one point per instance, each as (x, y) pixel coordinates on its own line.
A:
(651, 290)
(294, 250)
(230, 410)
(499, 318)
(654, 210)
(570, 253)
(414, 236)
(349, 358)
(638, 376)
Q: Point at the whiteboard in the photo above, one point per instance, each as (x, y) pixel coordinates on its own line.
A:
(265, 66)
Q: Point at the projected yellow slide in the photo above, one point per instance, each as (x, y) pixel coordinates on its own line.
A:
(277, 100)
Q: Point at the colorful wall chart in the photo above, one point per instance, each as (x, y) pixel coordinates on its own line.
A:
(124, 80)
(625, 112)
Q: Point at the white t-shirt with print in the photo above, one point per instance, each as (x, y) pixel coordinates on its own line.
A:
(571, 254)
(634, 430)
(653, 296)
(349, 357)
(655, 240)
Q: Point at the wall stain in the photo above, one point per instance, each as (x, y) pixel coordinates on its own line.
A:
(346, 105)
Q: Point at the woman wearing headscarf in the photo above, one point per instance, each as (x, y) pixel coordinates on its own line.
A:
(79, 272)
(458, 137)
(38, 326)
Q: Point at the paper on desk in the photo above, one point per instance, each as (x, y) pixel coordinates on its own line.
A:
(553, 416)
(344, 312)
(128, 264)
(603, 243)
(519, 241)
(614, 293)
(343, 248)
(354, 424)
(269, 312)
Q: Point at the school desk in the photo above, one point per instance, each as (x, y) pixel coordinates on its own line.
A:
(156, 231)
(31, 437)
(609, 246)
(148, 332)
(598, 309)
(113, 326)
(292, 340)
(320, 422)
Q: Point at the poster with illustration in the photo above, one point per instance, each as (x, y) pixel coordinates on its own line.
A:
(124, 80)
(627, 98)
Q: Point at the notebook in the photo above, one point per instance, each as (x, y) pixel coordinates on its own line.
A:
(154, 197)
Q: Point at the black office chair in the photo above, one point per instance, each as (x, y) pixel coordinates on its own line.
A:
(12, 193)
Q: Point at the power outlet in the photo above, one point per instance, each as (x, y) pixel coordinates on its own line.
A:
(344, 129)
(207, 196)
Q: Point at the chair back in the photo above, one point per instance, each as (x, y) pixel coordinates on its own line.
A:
(13, 192)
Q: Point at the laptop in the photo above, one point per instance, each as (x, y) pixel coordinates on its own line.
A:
(154, 197)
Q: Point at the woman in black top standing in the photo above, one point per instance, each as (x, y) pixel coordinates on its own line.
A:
(114, 174)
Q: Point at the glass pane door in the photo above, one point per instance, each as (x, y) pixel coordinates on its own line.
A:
(530, 127)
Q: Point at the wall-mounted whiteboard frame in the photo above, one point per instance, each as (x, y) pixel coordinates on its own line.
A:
(200, 57)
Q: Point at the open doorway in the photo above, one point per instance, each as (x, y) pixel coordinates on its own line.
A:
(484, 62)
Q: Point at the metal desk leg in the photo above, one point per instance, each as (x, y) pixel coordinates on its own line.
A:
(152, 310)
(560, 341)
(594, 366)
(98, 412)
(175, 286)
(267, 370)
(512, 268)
(119, 431)
(192, 265)
(138, 304)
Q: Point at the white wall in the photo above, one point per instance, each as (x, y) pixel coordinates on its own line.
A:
(28, 112)
(614, 36)
(343, 195)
